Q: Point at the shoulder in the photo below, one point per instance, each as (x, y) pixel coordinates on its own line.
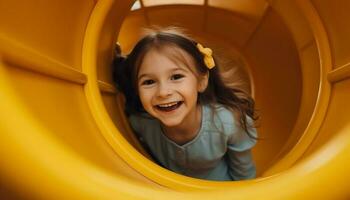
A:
(221, 118)
(141, 121)
(223, 114)
(227, 122)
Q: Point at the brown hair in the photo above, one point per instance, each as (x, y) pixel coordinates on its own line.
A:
(220, 90)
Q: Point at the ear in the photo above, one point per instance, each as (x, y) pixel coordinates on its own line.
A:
(203, 82)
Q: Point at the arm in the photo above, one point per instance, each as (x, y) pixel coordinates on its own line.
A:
(241, 164)
(240, 159)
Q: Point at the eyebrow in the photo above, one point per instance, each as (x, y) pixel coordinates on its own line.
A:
(172, 70)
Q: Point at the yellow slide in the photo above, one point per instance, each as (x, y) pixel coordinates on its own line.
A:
(63, 134)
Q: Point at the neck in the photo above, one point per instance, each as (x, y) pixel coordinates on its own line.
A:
(186, 131)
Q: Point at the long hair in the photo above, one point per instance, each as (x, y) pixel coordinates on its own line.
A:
(219, 90)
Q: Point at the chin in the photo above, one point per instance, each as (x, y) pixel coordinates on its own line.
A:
(171, 123)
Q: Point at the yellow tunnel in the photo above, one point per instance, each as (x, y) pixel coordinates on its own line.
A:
(63, 134)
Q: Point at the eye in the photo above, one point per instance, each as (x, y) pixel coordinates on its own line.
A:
(177, 76)
(147, 82)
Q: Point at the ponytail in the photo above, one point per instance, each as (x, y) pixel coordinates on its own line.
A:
(229, 92)
(122, 76)
(118, 70)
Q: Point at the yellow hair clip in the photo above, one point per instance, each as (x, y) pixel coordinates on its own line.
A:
(208, 58)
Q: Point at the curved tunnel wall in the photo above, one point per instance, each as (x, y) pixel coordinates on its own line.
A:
(261, 46)
(58, 140)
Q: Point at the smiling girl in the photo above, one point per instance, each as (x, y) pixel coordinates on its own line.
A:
(177, 102)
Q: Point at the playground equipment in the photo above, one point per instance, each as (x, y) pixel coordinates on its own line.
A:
(63, 136)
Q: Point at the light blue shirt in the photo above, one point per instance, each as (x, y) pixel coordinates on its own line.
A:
(220, 151)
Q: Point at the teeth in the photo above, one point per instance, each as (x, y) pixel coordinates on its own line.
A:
(167, 105)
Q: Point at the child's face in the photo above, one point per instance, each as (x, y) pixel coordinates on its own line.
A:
(168, 90)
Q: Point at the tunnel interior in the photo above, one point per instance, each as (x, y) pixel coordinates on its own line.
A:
(63, 131)
(259, 44)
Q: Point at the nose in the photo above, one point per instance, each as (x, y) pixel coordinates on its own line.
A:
(164, 90)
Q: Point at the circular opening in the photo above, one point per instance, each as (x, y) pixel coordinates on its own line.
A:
(268, 50)
(258, 66)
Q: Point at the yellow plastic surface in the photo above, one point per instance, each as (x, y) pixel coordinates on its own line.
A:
(62, 134)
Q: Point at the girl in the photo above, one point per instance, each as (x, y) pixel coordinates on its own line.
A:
(192, 122)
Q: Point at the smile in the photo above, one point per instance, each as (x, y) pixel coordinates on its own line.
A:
(169, 106)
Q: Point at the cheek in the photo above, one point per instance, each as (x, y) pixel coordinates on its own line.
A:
(190, 93)
(194, 89)
(145, 96)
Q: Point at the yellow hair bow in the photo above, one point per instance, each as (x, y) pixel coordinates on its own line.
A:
(208, 58)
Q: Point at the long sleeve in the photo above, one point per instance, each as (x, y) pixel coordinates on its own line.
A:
(240, 159)
(241, 165)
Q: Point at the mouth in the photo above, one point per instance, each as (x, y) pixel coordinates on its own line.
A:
(167, 107)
